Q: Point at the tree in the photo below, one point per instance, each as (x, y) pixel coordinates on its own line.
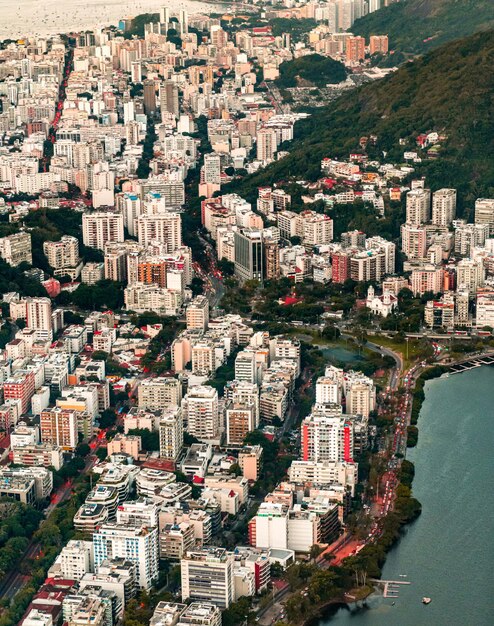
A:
(150, 440)
(107, 418)
(315, 551)
(237, 613)
(102, 453)
(82, 449)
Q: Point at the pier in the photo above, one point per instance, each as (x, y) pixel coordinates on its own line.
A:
(391, 588)
(473, 362)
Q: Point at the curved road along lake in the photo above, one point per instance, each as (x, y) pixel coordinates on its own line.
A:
(447, 554)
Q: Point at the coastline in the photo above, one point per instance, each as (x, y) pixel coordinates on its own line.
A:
(329, 609)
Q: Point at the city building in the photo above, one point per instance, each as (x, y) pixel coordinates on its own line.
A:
(207, 576)
(136, 544)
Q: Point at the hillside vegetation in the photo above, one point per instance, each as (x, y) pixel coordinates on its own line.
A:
(417, 26)
(314, 69)
(450, 90)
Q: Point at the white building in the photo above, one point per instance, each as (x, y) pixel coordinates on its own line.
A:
(136, 544)
(201, 412)
(100, 228)
(207, 576)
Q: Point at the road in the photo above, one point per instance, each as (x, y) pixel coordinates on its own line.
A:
(214, 287)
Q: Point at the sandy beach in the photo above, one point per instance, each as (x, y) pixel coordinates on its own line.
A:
(20, 18)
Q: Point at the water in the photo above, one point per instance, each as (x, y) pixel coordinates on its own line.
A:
(28, 17)
(448, 552)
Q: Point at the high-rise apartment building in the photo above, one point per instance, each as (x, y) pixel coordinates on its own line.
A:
(207, 575)
(138, 544)
(414, 241)
(418, 204)
(355, 50)
(271, 259)
(163, 227)
(443, 207)
(326, 437)
(249, 254)
(201, 412)
(159, 393)
(378, 43)
(171, 430)
(240, 420)
(59, 427)
(16, 249)
(197, 314)
(212, 168)
(19, 386)
(39, 317)
(266, 145)
(484, 212)
(169, 102)
(149, 95)
(63, 253)
(100, 228)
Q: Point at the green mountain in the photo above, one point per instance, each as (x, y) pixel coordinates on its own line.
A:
(417, 26)
(450, 91)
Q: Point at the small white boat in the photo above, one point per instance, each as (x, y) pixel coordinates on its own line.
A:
(426, 600)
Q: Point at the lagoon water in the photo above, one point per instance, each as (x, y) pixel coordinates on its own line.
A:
(448, 553)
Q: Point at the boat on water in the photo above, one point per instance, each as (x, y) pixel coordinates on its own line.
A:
(403, 575)
(426, 600)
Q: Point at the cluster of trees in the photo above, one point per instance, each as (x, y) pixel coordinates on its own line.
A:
(111, 365)
(150, 440)
(52, 534)
(224, 373)
(17, 524)
(274, 468)
(105, 294)
(312, 68)
(157, 358)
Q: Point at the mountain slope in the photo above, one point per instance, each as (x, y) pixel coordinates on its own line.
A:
(450, 90)
(417, 26)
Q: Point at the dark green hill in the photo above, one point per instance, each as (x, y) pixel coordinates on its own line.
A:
(450, 90)
(312, 68)
(417, 26)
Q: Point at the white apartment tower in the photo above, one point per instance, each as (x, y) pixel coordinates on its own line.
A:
(418, 206)
(101, 228)
(171, 430)
(197, 313)
(207, 575)
(212, 168)
(38, 317)
(136, 544)
(163, 227)
(201, 412)
(443, 207)
(266, 144)
(484, 213)
(159, 393)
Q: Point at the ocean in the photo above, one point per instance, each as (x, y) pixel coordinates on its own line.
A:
(21, 18)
